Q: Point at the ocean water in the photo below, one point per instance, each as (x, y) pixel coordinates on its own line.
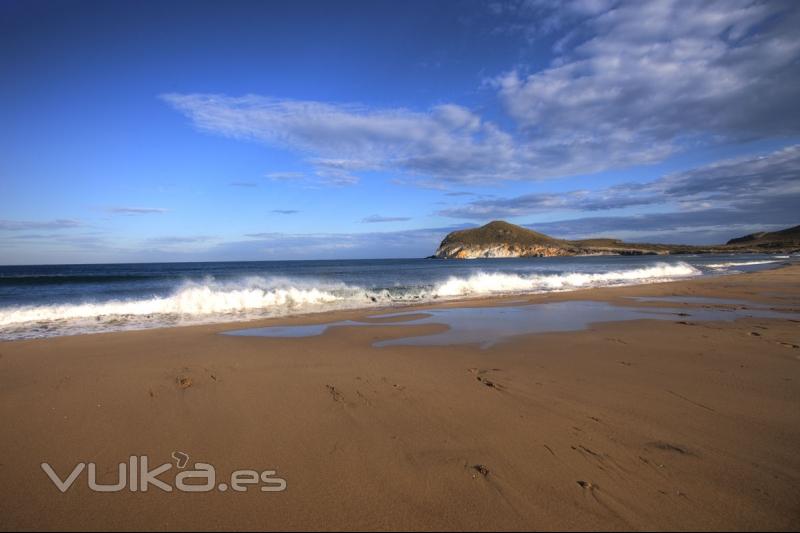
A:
(52, 300)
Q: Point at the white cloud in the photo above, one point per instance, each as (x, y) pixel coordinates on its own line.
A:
(449, 142)
(386, 244)
(285, 176)
(737, 188)
(23, 225)
(177, 240)
(377, 219)
(630, 83)
(647, 77)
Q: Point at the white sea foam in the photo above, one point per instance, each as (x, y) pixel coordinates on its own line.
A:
(254, 297)
(491, 283)
(186, 302)
(719, 266)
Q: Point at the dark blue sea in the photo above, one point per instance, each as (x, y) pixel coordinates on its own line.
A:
(41, 301)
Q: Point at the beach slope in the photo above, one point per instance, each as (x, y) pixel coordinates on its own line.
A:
(668, 424)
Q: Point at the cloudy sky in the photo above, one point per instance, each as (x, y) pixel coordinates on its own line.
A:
(178, 131)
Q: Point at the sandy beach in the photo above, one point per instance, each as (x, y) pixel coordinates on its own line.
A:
(646, 424)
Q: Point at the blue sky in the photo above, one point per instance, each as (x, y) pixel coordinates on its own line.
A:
(179, 131)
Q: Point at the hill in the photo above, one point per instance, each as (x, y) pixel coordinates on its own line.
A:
(788, 236)
(503, 239)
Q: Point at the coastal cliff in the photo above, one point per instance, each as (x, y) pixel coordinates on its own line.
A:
(502, 239)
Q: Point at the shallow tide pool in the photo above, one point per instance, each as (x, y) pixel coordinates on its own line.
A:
(489, 325)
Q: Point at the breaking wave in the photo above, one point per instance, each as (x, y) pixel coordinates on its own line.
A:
(256, 297)
(491, 283)
(719, 266)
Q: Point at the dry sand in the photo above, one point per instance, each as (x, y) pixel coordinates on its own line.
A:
(627, 425)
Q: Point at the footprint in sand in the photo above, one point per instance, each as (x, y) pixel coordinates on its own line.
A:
(335, 394)
(480, 469)
(188, 377)
(394, 386)
(481, 377)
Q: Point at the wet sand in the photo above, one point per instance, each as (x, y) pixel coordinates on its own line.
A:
(639, 424)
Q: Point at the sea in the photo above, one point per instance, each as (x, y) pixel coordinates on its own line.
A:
(55, 300)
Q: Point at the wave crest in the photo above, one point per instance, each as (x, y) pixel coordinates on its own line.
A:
(255, 297)
(188, 301)
(719, 266)
(496, 282)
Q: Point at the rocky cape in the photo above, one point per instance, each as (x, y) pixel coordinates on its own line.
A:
(502, 239)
